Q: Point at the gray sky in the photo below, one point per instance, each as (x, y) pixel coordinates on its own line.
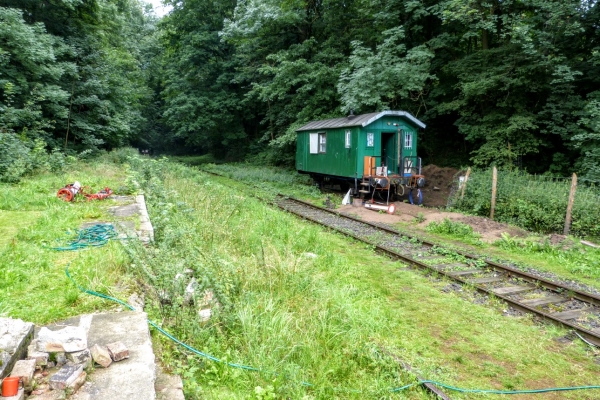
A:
(159, 9)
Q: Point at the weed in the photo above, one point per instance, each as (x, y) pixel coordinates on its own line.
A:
(419, 218)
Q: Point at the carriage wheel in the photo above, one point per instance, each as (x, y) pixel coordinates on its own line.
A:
(417, 199)
(65, 194)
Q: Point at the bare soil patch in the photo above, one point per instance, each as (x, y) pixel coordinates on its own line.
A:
(489, 230)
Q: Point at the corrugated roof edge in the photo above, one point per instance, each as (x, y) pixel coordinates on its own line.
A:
(344, 122)
(398, 113)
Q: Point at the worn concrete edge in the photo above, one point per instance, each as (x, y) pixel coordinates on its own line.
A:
(146, 228)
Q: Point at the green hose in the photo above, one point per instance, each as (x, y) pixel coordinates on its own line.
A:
(94, 236)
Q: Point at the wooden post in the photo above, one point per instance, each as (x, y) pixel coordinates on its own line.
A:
(570, 205)
(464, 184)
(494, 183)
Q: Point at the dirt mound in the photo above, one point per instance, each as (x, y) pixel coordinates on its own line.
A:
(438, 184)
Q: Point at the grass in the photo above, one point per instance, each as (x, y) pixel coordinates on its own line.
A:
(33, 285)
(313, 306)
(299, 302)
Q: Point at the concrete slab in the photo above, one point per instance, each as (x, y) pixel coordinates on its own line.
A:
(15, 336)
(132, 378)
(124, 211)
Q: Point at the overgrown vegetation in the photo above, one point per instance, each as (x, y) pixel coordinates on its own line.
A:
(296, 301)
(536, 203)
(454, 229)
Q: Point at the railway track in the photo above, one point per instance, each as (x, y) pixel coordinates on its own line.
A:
(550, 301)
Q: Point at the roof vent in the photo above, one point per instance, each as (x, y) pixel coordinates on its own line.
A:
(351, 114)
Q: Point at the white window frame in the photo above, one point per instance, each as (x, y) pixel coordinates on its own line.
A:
(348, 139)
(322, 142)
(314, 143)
(407, 140)
(370, 139)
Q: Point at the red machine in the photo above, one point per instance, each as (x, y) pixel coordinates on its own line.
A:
(69, 192)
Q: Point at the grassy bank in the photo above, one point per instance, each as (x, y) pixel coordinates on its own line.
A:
(33, 284)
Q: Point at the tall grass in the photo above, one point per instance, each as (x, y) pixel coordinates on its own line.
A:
(536, 203)
(305, 305)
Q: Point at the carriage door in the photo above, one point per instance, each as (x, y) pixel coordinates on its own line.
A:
(388, 146)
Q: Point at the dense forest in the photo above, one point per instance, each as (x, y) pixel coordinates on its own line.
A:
(505, 82)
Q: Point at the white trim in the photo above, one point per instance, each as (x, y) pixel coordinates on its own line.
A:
(348, 138)
(396, 113)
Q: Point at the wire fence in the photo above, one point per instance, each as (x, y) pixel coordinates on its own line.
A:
(534, 202)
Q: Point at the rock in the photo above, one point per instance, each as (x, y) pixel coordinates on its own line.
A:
(100, 355)
(118, 351)
(24, 369)
(77, 383)
(205, 314)
(168, 387)
(40, 357)
(69, 339)
(189, 291)
(436, 188)
(80, 357)
(65, 376)
(60, 358)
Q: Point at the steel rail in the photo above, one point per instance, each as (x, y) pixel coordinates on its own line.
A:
(593, 337)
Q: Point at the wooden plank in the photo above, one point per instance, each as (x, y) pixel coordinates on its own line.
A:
(465, 272)
(571, 314)
(544, 300)
(486, 280)
(512, 289)
(494, 185)
(454, 265)
(570, 205)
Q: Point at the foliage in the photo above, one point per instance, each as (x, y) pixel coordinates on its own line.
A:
(294, 301)
(452, 228)
(536, 203)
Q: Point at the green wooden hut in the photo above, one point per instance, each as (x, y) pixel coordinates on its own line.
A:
(353, 147)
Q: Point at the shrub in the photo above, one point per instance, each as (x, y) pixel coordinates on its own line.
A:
(536, 203)
(454, 228)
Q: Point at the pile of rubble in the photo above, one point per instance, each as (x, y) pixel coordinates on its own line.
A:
(57, 362)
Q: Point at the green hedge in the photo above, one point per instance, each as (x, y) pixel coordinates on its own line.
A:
(536, 203)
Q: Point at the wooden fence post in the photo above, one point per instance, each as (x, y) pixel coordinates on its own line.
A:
(464, 184)
(570, 205)
(494, 183)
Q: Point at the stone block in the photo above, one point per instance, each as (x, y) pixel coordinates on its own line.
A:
(19, 396)
(65, 376)
(118, 351)
(100, 355)
(15, 336)
(40, 357)
(68, 339)
(80, 357)
(24, 369)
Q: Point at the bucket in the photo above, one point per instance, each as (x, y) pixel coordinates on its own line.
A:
(10, 386)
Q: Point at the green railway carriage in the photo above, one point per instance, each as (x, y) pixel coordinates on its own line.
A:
(352, 149)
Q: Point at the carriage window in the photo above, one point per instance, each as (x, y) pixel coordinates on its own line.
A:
(348, 139)
(322, 142)
(314, 143)
(370, 139)
(408, 140)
